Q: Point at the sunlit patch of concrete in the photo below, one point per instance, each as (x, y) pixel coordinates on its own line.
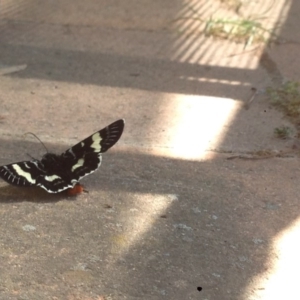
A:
(199, 124)
(138, 221)
(214, 80)
(281, 279)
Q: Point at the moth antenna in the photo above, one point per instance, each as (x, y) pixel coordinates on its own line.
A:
(38, 140)
(31, 156)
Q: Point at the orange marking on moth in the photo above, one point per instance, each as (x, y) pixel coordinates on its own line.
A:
(75, 190)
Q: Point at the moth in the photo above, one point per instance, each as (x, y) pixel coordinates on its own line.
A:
(56, 173)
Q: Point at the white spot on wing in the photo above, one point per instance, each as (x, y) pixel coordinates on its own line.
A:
(52, 177)
(79, 164)
(96, 142)
(20, 172)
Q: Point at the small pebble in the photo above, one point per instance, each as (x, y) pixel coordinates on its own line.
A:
(28, 228)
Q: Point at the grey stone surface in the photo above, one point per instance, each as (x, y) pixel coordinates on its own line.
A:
(167, 212)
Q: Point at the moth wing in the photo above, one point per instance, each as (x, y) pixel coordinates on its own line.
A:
(54, 183)
(58, 175)
(86, 155)
(24, 173)
(86, 165)
(98, 142)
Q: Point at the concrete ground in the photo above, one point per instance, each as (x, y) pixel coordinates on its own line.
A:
(168, 215)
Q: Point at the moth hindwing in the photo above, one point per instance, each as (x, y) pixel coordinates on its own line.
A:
(55, 173)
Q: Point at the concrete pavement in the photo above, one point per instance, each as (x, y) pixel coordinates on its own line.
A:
(167, 212)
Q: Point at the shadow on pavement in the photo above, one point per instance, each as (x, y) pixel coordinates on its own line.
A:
(158, 226)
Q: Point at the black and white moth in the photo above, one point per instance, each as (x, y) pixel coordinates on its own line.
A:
(56, 173)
